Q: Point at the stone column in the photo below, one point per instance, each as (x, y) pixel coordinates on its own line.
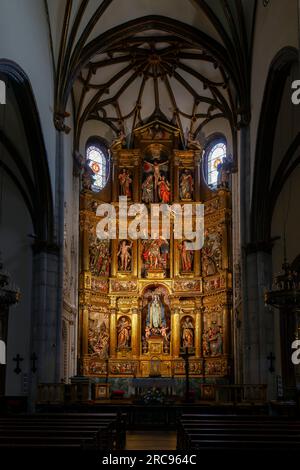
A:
(258, 322)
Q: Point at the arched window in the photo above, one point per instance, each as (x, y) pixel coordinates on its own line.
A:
(215, 153)
(97, 159)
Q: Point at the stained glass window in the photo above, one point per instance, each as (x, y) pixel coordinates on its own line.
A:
(215, 156)
(97, 161)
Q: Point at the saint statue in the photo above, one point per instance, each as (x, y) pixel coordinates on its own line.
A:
(164, 190)
(187, 333)
(186, 257)
(186, 186)
(147, 189)
(124, 255)
(156, 313)
(123, 330)
(125, 183)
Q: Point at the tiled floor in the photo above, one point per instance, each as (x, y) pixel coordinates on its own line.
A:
(151, 440)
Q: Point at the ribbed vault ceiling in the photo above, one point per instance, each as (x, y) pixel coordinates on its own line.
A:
(129, 61)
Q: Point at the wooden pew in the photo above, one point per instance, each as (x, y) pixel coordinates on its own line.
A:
(94, 431)
(200, 432)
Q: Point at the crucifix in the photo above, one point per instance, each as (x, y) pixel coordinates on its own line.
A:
(33, 358)
(186, 355)
(271, 358)
(18, 359)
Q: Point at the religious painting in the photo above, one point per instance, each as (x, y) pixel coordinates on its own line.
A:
(187, 332)
(100, 258)
(186, 257)
(212, 341)
(186, 185)
(156, 186)
(98, 335)
(212, 252)
(156, 317)
(125, 183)
(124, 333)
(124, 256)
(155, 257)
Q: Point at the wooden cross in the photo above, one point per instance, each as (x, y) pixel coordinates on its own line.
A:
(186, 355)
(18, 359)
(271, 358)
(33, 358)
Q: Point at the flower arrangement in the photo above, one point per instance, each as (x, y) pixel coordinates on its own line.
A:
(153, 396)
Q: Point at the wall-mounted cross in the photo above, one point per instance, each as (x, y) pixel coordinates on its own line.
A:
(271, 358)
(33, 358)
(18, 359)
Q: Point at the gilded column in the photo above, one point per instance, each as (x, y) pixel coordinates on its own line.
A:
(226, 328)
(135, 332)
(114, 260)
(85, 329)
(175, 324)
(198, 332)
(113, 332)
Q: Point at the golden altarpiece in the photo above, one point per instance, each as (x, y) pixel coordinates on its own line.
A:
(142, 301)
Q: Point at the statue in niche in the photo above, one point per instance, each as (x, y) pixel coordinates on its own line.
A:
(124, 333)
(156, 317)
(186, 185)
(156, 313)
(187, 333)
(125, 182)
(125, 256)
(213, 340)
(99, 252)
(186, 257)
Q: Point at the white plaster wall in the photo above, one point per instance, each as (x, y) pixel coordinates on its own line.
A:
(24, 39)
(276, 27)
(17, 257)
(288, 122)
